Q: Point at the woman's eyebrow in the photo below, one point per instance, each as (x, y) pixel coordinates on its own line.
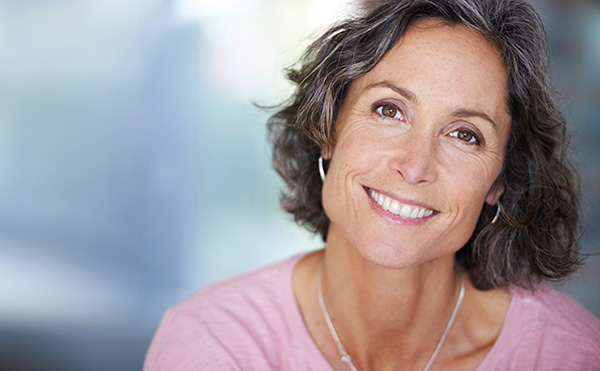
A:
(402, 91)
(466, 113)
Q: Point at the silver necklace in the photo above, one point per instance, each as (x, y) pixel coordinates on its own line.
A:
(346, 358)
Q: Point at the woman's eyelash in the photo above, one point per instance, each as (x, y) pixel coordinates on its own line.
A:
(466, 136)
(389, 111)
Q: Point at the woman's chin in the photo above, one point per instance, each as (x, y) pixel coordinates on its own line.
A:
(398, 256)
(390, 257)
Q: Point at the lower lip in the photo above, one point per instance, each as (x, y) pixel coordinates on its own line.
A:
(397, 218)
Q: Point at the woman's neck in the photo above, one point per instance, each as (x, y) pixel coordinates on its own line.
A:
(388, 316)
(392, 319)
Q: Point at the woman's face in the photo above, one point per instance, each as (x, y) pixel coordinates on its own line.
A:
(419, 143)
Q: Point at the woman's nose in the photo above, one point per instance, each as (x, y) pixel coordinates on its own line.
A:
(415, 159)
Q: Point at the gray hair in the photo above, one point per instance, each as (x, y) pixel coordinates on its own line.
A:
(536, 236)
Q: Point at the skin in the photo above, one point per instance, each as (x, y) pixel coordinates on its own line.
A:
(427, 127)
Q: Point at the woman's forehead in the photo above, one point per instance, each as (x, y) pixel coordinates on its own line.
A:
(428, 45)
(435, 58)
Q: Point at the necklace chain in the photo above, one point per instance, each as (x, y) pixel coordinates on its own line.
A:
(346, 358)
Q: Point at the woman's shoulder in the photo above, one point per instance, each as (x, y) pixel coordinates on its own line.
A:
(558, 310)
(546, 329)
(230, 324)
(252, 286)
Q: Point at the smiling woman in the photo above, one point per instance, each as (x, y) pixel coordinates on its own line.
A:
(418, 158)
(423, 144)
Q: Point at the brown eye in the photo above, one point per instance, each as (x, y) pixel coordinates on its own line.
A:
(465, 136)
(390, 111)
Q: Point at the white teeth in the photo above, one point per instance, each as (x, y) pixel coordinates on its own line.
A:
(386, 203)
(394, 207)
(405, 212)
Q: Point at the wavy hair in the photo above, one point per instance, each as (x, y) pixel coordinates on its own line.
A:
(537, 233)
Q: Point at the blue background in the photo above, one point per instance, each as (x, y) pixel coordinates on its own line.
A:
(134, 168)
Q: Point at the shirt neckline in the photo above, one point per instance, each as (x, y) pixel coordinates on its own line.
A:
(297, 322)
(314, 356)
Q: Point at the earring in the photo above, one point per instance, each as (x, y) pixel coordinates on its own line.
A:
(497, 214)
(321, 171)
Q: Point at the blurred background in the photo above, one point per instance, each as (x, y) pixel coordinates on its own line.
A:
(134, 167)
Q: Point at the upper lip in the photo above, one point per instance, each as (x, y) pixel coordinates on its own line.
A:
(400, 199)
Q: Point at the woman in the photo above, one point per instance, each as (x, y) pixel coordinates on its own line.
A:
(423, 144)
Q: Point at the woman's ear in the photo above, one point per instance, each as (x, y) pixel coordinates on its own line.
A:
(326, 152)
(494, 194)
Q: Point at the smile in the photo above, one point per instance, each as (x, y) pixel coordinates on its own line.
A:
(395, 207)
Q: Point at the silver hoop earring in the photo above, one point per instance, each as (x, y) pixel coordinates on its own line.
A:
(321, 171)
(497, 214)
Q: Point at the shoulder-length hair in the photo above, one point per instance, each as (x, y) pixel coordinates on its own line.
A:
(536, 235)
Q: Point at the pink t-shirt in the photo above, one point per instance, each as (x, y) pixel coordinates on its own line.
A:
(252, 322)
